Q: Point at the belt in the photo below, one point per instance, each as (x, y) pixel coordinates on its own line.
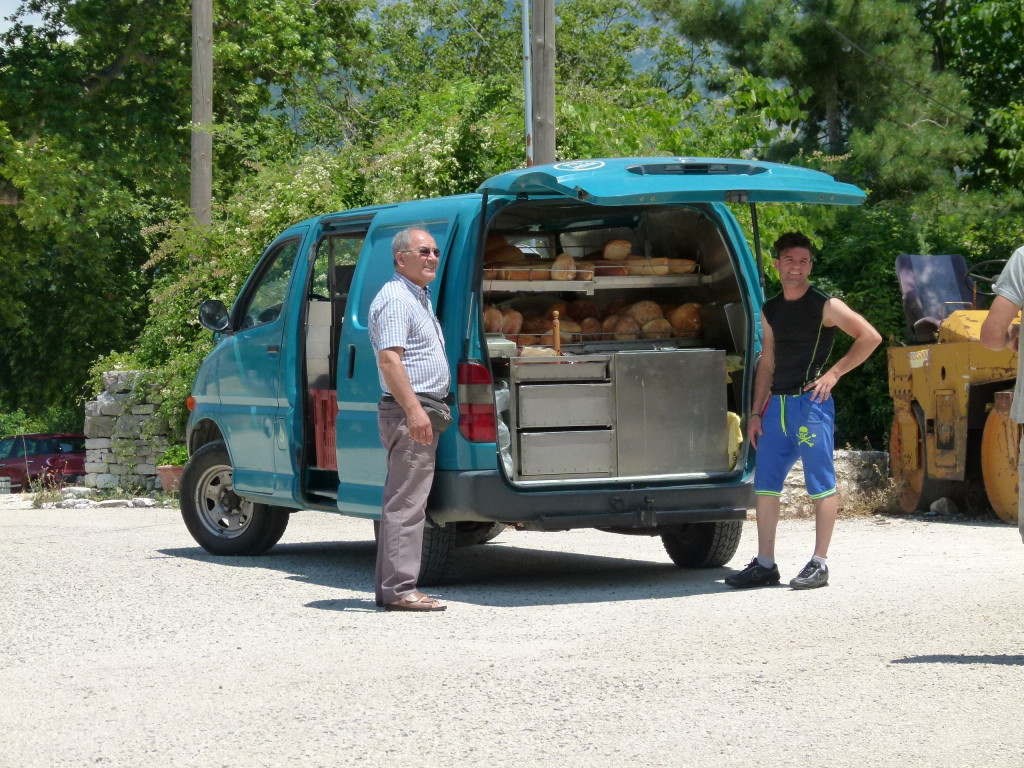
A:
(448, 399)
(790, 392)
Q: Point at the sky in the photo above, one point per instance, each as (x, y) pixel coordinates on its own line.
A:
(7, 7)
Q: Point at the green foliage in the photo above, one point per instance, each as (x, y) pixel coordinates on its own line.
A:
(980, 40)
(94, 152)
(875, 105)
(175, 456)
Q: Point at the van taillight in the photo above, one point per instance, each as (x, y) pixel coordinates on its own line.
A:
(476, 403)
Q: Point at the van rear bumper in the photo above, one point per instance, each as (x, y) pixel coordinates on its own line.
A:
(484, 496)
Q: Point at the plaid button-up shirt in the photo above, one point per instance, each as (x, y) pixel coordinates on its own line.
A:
(401, 316)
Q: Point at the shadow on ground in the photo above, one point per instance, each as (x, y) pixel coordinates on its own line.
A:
(493, 574)
(962, 658)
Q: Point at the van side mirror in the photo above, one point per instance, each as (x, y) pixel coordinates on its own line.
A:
(213, 315)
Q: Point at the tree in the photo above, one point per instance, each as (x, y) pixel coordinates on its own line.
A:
(94, 146)
(980, 40)
(876, 112)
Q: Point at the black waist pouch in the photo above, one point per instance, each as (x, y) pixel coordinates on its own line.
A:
(437, 410)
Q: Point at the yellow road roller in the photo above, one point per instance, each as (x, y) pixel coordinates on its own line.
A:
(951, 431)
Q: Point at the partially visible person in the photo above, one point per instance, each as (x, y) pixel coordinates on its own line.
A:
(409, 346)
(1000, 330)
(793, 411)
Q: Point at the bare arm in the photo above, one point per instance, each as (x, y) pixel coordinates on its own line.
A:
(762, 382)
(865, 340)
(999, 331)
(395, 376)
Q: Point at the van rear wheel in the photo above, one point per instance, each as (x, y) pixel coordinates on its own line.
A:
(220, 521)
(439, 541)
(703, 545)
(470, 534)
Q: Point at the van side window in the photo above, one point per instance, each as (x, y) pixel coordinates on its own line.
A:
(381, 265)
(267, 298)
(336, 256)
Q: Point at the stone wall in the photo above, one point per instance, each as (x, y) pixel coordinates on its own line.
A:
(124, 436)
(858, 475)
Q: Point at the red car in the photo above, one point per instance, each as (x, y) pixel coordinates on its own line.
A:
(55, 458)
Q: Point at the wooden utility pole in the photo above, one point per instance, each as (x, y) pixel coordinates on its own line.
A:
(202, 110)
(542, 63)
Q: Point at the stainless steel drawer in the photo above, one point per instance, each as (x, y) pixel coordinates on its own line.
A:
(580, 368)
(566, 405)
(567, 453)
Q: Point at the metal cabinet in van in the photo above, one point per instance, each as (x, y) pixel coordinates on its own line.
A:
(580, 403)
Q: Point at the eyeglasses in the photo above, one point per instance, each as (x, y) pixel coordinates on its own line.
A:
(424, 252)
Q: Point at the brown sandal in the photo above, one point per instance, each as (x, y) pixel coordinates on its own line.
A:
(416, 601)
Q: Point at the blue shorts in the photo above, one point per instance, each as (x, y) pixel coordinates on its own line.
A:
(796, 428)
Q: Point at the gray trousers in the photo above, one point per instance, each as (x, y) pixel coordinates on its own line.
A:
(410, 475)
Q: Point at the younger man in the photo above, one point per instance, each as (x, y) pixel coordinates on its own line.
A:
(794, 414)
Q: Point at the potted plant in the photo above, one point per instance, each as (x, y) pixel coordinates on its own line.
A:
(170, 466)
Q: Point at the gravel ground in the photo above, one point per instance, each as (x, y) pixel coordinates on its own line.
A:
(124, 644)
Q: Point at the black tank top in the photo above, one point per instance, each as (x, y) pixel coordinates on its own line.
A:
(802, 341)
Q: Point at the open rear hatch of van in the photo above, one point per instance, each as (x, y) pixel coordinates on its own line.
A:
(617, 307)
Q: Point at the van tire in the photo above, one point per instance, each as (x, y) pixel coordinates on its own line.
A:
(470, 534)
(221, 522)
(438, 543)
(703, 545)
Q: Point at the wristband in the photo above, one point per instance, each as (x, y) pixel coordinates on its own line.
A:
(758, 416)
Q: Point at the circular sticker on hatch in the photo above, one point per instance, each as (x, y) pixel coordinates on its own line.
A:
(579, 165)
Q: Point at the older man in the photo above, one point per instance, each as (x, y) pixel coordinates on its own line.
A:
(414, 371)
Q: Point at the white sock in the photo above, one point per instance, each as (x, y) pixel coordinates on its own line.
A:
(765, 562)
(820, 559)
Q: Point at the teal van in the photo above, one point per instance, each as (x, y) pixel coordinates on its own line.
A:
(601, 321)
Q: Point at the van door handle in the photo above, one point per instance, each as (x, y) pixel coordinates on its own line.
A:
(351, 360)
(273, 349)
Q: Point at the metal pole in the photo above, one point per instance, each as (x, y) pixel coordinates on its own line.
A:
(528, 82)
(201, 193)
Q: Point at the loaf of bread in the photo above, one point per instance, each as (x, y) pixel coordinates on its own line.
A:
(563, 267)
(584, 270)
(515, 271)
(570, 329)
(685, 319)
(536, 324)
(626, 329)
(681, 266)
(537, 352)
(590, 328)
(561, 307)
(616, 306)
(494, 242)
(527, 339)
(581, 308)
(638, 266)
(540, 270)
(493, 271)
(492, 319)
(659, 328)
(608, 325)
(616, 250)
(610, 269)
(511, 322)
(506, 253)
(644, 311)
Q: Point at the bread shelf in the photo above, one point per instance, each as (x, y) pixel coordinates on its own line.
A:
(598, 283)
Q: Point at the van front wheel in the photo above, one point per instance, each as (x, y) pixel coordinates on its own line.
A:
(222, 522)
(703, 545)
